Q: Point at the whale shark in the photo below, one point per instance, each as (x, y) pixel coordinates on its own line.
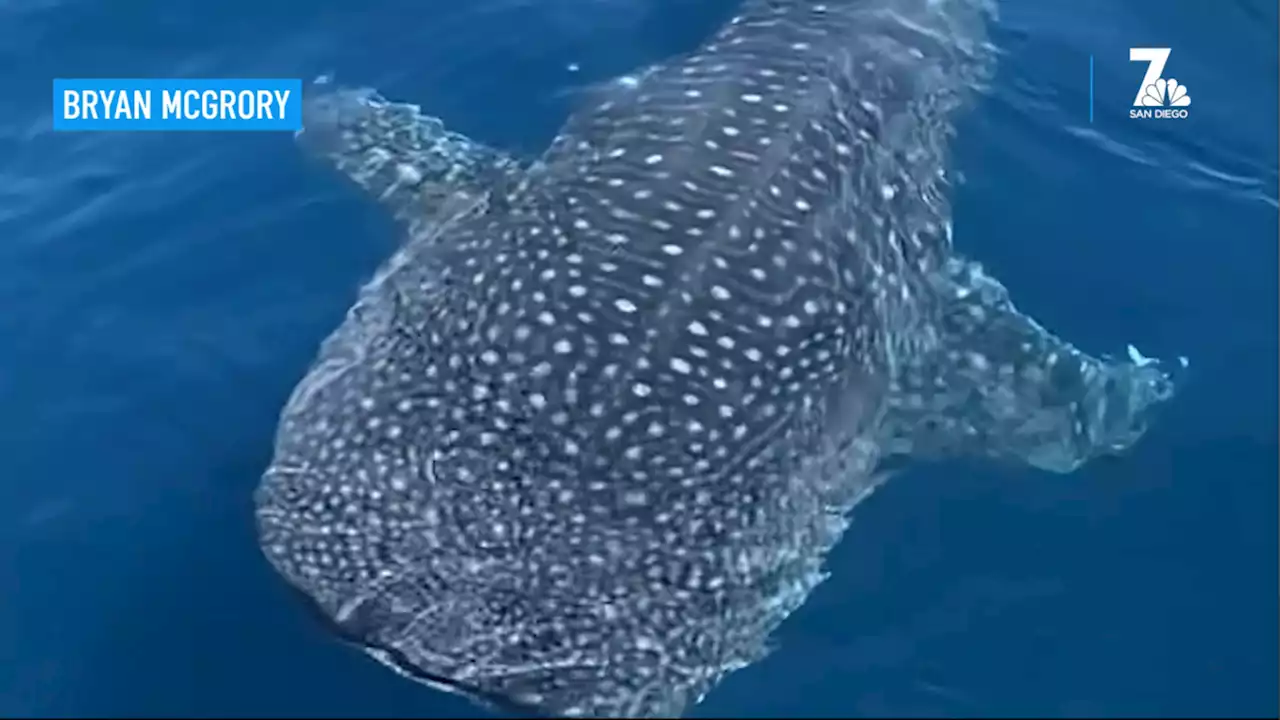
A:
(583, 442)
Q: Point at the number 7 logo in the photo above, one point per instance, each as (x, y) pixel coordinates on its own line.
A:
(1155, 90)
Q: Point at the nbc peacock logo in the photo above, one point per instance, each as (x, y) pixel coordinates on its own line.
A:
(1158, 97)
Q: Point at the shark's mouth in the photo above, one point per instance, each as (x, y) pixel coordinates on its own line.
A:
(396, 660)
(495, 702)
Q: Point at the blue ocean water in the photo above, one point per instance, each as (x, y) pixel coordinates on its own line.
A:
(160, 294)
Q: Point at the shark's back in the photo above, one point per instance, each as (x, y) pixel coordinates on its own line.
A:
(801, 150)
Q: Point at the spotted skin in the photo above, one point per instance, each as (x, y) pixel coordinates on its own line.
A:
(583, 448)
(1001, 387)
(425, 174)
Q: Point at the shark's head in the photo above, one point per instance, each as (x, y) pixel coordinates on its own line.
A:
(376, 509)
(431, 513)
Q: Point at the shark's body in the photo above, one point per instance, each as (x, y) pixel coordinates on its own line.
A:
(585, 440)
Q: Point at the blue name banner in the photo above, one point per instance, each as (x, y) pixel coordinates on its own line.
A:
(177, 104)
